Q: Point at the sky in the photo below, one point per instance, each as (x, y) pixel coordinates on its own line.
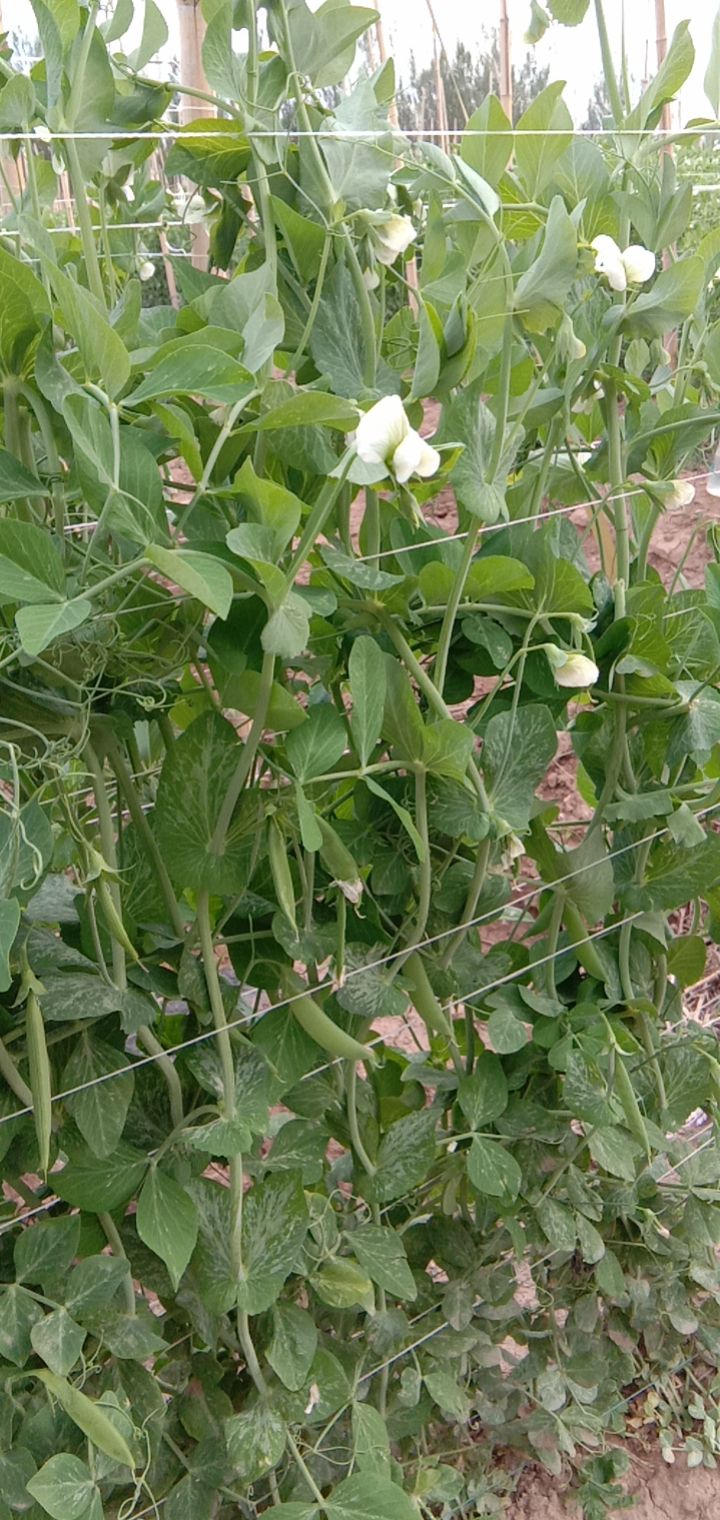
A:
(573, 53)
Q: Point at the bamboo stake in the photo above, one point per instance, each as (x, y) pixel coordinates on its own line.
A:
(506, 93)
(191, 27)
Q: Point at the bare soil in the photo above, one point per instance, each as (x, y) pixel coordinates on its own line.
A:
(659, 1492)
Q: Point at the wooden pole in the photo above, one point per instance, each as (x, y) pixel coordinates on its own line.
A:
(506, 93)
(661, 46)
(191, 29)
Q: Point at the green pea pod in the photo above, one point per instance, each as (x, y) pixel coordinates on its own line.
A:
(431, 1011)
(581, 943)
(40, 1081)
(339, 862)
(328, 1035)
(281, 873)
(631, 1108)
(115, 926)
(89, 1417)
(626, 1093)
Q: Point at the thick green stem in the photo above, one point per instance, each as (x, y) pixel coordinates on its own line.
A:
(423, 907)
(370, 532)
(42, 417)
(611, 82)
(207, 950)
(262, 183)
(87, 233)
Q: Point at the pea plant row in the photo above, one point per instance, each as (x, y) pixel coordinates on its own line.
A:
(343, 1080)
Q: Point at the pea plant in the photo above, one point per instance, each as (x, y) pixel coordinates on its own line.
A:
(344, 1077)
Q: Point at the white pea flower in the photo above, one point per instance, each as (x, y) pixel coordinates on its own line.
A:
(371, 279)
(384, 436)
(42, 132)
(128, 193)
(673, 493)
(570, 668)
(634, 266)
(146, 269)
(191, 208)
(391, 235)
(514, 850)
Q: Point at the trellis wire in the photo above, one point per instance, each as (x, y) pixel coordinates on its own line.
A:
(354, 134)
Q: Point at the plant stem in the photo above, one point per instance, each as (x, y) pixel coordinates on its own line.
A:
(451, 610)
(371, 525)
(247, 757)
(207, 951)
(116, 1246)
(11, 1075)
(352, 1117)
(608, 65)
(82, 207)
(149, 842)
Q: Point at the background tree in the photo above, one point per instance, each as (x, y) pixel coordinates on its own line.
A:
(469, 77)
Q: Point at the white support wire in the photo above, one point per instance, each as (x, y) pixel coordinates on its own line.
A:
(234, 126)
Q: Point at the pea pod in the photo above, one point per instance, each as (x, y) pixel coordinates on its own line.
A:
(427, 1005)
(340, 863)
(281, 873)
(336, 1041)
(626, 1093)
(89, 1417)
(115, 926)
(581, 943)
(40, 1080)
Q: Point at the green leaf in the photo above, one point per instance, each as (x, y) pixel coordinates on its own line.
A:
(367, 671)
(31, 568)
(675, 68)
(489, 153)
(323, 42)
(287, 630)
(542, 135)
(429, 352)
(193, 783)
(167, 1221)
(336, 343)
(483, 1096)
(406, 1155)
(403, 726)
(94, 1282)
(538, 25)
(15, 480)
(673, 297)
(381, 1253)
(9, 925)
(515, 758)
(274, 1223)
(590, 1241)
(341, 1284)
(203, 576)
(45, 1250)
(101, 1110)
(304, 239)
(40, 626)
(467, 420)
(64, 1487)
(153, 39)
(255, 1441)
(399, 811)
(557, 1223)
(310, 409)
(448, 748)
(612, 1149)
(447, 1395)
(371, 1445)
(18, 1313)
(591, 884)
(317, 745)
(507, 1032)
(100, 1184)
(293, 1345)
(102, 350)
(369, 1496)
(492, 1170)
(711, 82)
(202, 371)
(542, 291)
(569, 12)
(25, 312)
(58, 1339)
(674, 877)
